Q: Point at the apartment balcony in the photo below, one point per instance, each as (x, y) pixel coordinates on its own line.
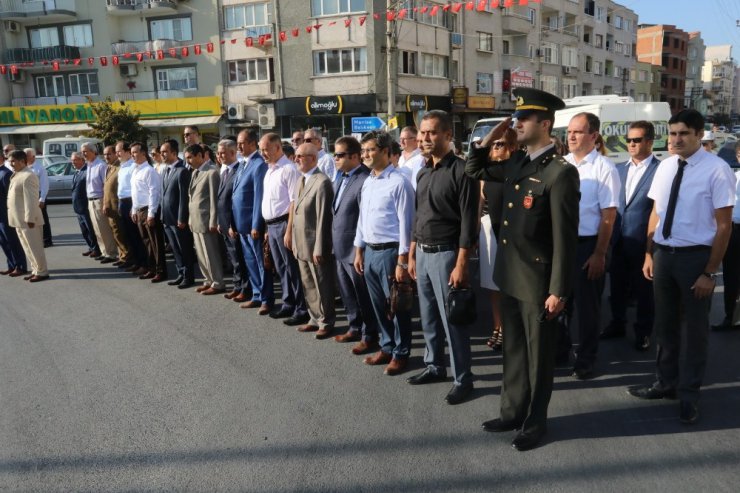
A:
(513, 23)
(51, 101)
(27, 55)
(169, 47)
(35, 10)
(141, 7)
(142, 95)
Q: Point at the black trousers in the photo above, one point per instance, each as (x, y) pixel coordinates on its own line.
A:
(181, 242)
(47, 226)
(138, 255)
(731, 272)
(626, 277)
(235, 261)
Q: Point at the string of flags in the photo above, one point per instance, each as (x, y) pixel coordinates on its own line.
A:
(263, 39)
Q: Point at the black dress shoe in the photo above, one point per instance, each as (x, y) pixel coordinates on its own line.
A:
(612, 331)
(185, 284)
(689, 412)
(297, 320)
(642, 343)
(176, 282)
(583, 373)
(527, 441)
(427, 376)
(498, 426)
(280, 313)
(106, 260)
(458, 394)
(725, 326)
(651, 393)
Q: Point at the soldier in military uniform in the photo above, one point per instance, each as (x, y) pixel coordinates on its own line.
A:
(535, 260)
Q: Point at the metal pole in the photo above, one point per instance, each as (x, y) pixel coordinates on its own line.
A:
(391, 62)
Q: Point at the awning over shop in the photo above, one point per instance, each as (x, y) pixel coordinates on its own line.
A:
(180, 122)
(68, 128)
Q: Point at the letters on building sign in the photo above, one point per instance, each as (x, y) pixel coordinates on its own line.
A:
(416, 103)
(21, 115)
(324, 105)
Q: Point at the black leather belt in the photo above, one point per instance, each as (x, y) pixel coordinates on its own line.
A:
(436, 248)
(276, 220)
(584, 239)
(94, 198)
(692, 248)
(142, 209)
(382, 246)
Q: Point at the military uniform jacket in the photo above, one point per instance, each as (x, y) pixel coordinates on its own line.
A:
(536, 252)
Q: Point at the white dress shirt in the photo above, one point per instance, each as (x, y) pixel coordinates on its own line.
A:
(279, 188)
(326, 164)
(410, 166)
(736, 209)
(39, 170)
(600, 187)
(146, 188)
(707, 184)
(635, 172)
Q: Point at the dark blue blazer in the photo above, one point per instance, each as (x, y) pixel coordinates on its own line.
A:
(632, 217)
(79, 191)
(246, 201)
(175, 200)
(5, 175)
(346, 213)
(225, 192)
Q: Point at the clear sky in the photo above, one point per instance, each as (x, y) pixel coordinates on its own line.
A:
(716, 19)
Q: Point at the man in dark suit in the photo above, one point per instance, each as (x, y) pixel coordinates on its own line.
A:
(79, 205)
(346, 208)
(248, 223)
(175, 215)
(630, 237)
(9, 241)
(535, 260)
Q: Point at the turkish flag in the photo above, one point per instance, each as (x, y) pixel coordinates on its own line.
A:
(261, 40)
(233, 41)
(55, 65)
(77, 61)
(482, 5)
(160, 54)
(209, 47)
(90, 61)
(402, 13)
(447, 6)
(14, 69)
(309, 29)
(508, 3)
(295, 32)
(115, 59)
(196, 49)
(434, 11)
(103, 61)
(424, 9)
(185, 51)
(3, 69)
(363, 19)
(376, 16)
(456, 8)
(249, 42)
(139, 57)
(389, 16)
(469, 6)
(283, 35)
(347, 22)
(127, 55)
(173, 52)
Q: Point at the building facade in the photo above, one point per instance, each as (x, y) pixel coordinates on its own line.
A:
(666, 46)
(718, 77)
(694, 65)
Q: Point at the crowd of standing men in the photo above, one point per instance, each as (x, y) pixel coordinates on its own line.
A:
(376, 218)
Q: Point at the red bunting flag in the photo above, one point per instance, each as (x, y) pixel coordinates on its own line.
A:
(223, 41)
(185, 51)
(261, 40)
(55, 65)
(173, 52)
(508, 3)
(249, 42)
(347, 22)
(363, 19)
(233, 41)
(14, 70)
(127, 55)
(209, 47)
(456, 8)
(309, 29)
(66, 61)
(333, 23)
(317, 26)
(424, 9)
(160, 54)
(197, 49)
(401, 13)
(482, 5)
(139, 57)
(77, 61)
(115, 59)
(376, 16)
(90, 61)
(434, 11)
(523, 2)
(447, 6)
(103, 61)
(390, 15)
(283, 35)
(416, 9)
(469, 6)
(150, 55)
(3, 69)
(295, 32)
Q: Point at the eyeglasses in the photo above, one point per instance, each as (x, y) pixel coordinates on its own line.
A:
(498, 144)
(301, 156)
(309, 139)
(636, 140)
(340, 155)
(188, 134)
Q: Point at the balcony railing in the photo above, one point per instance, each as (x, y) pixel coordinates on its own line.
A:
(50, 101)
(141, 95)
(25, 55)
(36, 8)
(122, 7)
(154, 45)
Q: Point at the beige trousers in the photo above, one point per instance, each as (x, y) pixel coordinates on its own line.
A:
(102, 228)
(32, 241)
(209, 259)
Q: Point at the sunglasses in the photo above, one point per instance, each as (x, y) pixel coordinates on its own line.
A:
(499, 144)
(636, 140)
(187, 134)
(309, 139)
(340, 155)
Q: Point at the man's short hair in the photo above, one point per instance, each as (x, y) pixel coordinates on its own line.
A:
(690, 118)
(124, 145)
(395, 148)
(195, 150)
(90, 147)
(273, 138)
(646, 126)
(228, 144)
(351, 144)
(228, 137)
(194, 128)
(18, 155)
(594, 124)
(382, 139)
(251, 134)
(74, 155)
(316, 131)
(174, 146)
(288, 149)
(30, 150)
(410, 129)
(444, 119)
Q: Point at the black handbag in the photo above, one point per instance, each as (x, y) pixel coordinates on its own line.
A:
(401, 299)
(460, 306)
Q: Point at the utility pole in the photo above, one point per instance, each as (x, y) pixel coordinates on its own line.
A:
(391, 60)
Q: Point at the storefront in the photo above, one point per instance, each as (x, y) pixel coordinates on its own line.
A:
(413, 106)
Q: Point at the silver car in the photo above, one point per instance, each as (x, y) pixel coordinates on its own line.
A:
(61, 172)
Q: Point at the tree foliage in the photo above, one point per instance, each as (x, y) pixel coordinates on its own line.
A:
(114, 122)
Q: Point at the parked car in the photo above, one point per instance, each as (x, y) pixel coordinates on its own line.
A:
(61, 173)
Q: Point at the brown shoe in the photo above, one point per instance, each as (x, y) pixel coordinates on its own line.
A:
(240, 298)
(38, 278)
(264, 310)
(307, 328)
(250, 304)
(324, 333)
(140, 271)
(18, 273)
(202, 288)
(132, 269)
(396, 366)
(211, 291)
(348, 336)
(28, 277)
(232, 295)
(364, 347)
(379, 358)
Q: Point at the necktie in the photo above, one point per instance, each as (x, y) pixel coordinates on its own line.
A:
(303, 183)
(672, 199)
(342, 178)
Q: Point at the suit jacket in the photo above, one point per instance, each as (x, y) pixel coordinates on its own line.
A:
(23, 200)
(203, 195)
(246, 200)
(346, 214)
(632, 217)
(225, 193)
(79, 191)
(312, 218)
(110, 186)
(175, 187)
(536, 255)
(5, 175)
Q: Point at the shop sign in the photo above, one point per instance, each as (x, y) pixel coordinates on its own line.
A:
(522, 78)
(459, 95)
(34, 115)
(416, 103)
(481, 102)
(324, 105)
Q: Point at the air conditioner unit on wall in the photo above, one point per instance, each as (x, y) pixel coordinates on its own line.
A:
(235, 111)
(128, 70)
(12, 27)
(267, 115)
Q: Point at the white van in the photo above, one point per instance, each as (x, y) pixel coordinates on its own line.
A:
(65, 146)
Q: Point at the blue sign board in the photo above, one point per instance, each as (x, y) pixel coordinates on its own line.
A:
(366, 124)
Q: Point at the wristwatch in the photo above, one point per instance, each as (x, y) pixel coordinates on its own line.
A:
(562, 299)
(711, 275)
(403, 266)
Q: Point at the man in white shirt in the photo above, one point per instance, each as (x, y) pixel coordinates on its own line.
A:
(38, 169)
(597, 212)
(146, 194)
(690, 226)
(411, 160)
(277, 200)
(630, 238)
(139, 255)
(326, 161)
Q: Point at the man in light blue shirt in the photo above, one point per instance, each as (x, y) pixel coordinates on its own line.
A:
(96, 169)
(382, 246)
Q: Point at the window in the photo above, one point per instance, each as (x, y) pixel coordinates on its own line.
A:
(549, 53)
(549, 83)
(570, 87)
(569, 55)
(442, 18)
(598, 40)
(339, 61)
(83, 84)
(181, 78)
(407, 62)
(179, 29)
(433, 65)
(531, 52)
(600, 14)
(50, 86)
(78, 35)
(485, 41)
(506, 47)
(597, 67)
(455, 71)
(484, 83)
(552, 23)
(618, 47)
(532, 16)
(240, 16)
(331, 7)
(642, 75)
(618, 22)
(255, 70)
(44, 37)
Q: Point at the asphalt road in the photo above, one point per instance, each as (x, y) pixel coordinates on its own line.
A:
(108, 383)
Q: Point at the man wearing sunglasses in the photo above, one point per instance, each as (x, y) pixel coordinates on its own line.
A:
(326, 161)
(630, 237)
